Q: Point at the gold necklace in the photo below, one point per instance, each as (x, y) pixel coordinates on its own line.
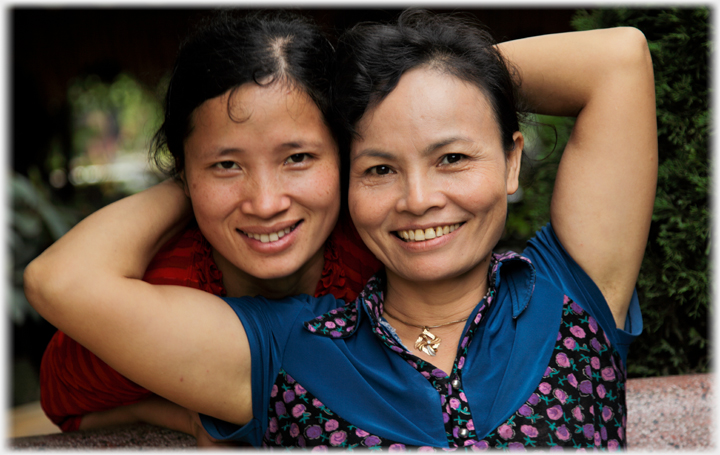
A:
(427, 342)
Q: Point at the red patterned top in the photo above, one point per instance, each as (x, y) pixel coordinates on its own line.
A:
(75, 382)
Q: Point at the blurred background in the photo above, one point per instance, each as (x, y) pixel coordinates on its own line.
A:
(86, 93)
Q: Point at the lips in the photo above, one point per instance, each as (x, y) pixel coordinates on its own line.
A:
(271, 236)
(420, 235)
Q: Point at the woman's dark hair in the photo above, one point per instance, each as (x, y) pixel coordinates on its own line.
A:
(371, 59)
(227, 51)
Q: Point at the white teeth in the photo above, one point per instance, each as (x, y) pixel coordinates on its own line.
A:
(419, 235)
(272, 237)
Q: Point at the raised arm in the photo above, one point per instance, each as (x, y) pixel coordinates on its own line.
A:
(88, 284)
(603, 198)
(74, 382)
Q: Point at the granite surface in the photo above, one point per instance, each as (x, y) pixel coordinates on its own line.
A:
(673, 413)
(140, 436)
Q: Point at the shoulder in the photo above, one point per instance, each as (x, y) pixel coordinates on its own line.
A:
(553, 263)
(554, 266)
(284, 315)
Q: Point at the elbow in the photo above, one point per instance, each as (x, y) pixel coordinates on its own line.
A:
(33, 279)
(633, 51)
(40, 285)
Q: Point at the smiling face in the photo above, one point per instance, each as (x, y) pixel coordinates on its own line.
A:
(264, 184)
(430, 165)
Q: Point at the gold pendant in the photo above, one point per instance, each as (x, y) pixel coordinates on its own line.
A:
(427, 342)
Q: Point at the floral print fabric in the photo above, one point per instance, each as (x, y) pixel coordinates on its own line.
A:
(579, 403)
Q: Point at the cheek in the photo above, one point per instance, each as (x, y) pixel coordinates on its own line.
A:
(319, 190)
(478, 191)
(328, 184)
(210, 200)
(362, 218)
(211, 206)
(355, 203)
(367, 208)
(481, 200)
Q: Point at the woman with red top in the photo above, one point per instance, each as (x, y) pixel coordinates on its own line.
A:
(247, 127)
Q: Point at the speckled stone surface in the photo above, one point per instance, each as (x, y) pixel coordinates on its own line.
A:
(140, 436)
(673, 413)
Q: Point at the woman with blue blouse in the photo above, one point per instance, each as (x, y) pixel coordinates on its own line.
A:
(450, 345)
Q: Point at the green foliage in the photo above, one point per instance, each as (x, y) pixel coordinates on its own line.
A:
(122, 109)
(673, 282)
(112, 125)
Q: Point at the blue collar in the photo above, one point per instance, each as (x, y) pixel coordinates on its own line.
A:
(342, 322)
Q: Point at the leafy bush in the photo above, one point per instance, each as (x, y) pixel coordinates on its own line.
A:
(673, 282)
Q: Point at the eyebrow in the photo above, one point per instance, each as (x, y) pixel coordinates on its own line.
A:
(379, 153)
(225, 151)
(299, 144)
(374, 153)
(284, 146)
(440, 144)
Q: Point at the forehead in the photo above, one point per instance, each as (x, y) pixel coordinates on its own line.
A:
(252, 101)
(428, 105)
(259, 118)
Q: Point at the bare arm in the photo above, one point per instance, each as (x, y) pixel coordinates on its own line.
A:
(88, 284)
(605, 188)
(155, 411)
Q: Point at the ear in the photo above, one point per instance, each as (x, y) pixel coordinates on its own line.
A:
(513, 160)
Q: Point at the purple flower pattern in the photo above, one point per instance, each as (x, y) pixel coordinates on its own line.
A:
(579, 403)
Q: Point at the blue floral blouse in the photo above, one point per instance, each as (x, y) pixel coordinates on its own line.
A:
(540, 365)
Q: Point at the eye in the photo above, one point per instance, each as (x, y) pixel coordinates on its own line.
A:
(451, 158)
(227, 165)
(297, 158)
(379, 170)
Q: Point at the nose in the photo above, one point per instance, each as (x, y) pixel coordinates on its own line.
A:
(421, 193)
(265, 197)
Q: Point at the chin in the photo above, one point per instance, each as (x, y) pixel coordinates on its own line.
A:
(274, 273)
(436, 271)
(428, 275)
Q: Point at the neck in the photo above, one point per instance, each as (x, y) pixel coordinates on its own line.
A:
(304, 281)
(429, 303)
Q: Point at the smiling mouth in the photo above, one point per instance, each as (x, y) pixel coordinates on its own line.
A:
(420, 235)
(273, 236)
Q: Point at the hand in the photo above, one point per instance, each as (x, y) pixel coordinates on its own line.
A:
(202, 436)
